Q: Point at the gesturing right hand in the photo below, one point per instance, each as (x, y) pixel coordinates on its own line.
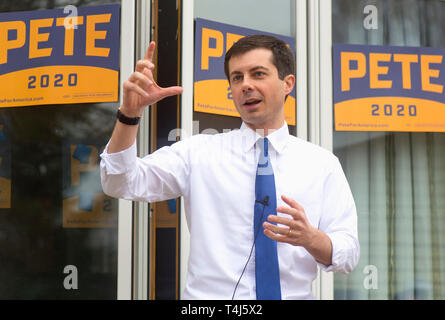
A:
(140, 89)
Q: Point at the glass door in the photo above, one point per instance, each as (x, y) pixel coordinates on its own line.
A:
(274, 17)
(58, 231)
(286, 18)
(397, 178)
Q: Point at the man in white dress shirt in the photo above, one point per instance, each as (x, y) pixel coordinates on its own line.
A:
(316, 222)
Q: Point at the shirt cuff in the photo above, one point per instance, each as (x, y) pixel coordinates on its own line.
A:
(119, 162)
(342, 258)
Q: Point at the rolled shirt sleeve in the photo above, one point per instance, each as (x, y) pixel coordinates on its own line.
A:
(339, 221)
(159, 176)
(119, 162)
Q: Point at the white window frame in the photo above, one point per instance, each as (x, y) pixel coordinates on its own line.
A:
(326, 111)
(320, 115)
(142, 212)
(125, 208)
(187, 43)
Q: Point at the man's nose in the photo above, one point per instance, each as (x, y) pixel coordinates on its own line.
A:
(247, 84)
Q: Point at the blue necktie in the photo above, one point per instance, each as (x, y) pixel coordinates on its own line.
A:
(267, 274)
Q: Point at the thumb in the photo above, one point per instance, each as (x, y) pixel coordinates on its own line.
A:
(171, 91)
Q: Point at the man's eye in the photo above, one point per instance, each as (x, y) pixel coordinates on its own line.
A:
(236, 78)
(259, 73)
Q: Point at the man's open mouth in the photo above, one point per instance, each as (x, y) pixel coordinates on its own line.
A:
(252, 102)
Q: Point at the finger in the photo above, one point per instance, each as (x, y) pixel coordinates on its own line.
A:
(171, 91)
(276, 229)
(150, 51)
(144, 64)
(148, 73)
(292, 203)
(277, 237)
(140, 80)
(130, 86)
(281, 220)
(287, 210)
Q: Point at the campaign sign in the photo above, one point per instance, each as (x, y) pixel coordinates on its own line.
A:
(59, 56)
(211, 88)
(388, 88)
(84, 204)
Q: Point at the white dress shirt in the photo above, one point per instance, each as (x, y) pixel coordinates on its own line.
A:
(216, 176)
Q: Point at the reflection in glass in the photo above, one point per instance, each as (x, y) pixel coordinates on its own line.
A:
(269, 16)
(398, 179)
(57, 216)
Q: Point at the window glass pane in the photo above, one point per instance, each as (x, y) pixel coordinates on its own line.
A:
(397, 178)
(270, 16)
(58, 231)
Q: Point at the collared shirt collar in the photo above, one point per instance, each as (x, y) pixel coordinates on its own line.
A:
(278, 138)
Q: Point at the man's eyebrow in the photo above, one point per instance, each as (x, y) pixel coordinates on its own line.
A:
(235, 72)
(258, 67)
(250, 70)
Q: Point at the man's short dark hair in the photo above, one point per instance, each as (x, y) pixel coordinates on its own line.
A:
(282, 56)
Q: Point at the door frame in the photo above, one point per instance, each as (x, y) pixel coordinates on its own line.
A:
(314, 98)
(320, 105)
(125, 207)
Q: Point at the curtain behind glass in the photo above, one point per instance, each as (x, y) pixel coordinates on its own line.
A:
(398, 179)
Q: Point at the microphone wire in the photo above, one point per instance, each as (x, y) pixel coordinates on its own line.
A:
(264, 203)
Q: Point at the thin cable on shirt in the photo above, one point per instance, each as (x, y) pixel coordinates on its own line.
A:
(265, 203)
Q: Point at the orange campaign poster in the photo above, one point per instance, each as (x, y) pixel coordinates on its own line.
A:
(84, 205)
(388, 88)
(211, 89)
(53, 57)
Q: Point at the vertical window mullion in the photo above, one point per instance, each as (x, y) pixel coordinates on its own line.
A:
(125, 223)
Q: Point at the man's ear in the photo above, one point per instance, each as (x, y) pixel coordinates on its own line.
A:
(289, 82)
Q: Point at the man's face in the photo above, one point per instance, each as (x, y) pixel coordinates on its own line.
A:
(257, 91)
